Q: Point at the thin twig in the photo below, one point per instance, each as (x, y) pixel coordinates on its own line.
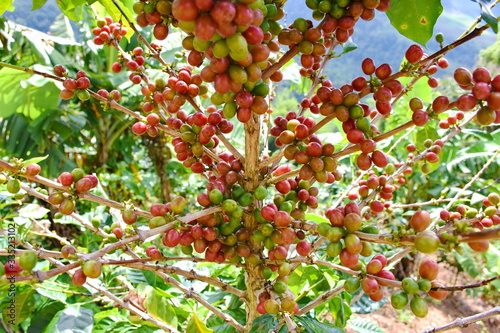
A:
(326, 296)
(468, 286)
(488, 234)
(144, 234)
(229, 146)
(154, 53)
(464, 322)
(473, 180)
(189, 293)
(280, 63)
(192, 275)
(433, 202)
(473, 34)
(40, 252)
(284, 176)
(65, 291)
(57, 186)
(75, 216)
(290, 324)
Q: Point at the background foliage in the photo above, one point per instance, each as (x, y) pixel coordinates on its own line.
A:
(36, 122)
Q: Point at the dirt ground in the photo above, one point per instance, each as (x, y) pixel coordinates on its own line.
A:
(458, 305)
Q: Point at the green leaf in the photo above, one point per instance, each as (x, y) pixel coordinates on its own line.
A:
(365, 305)
(313, 274)
(136, 276)
(224, 328)
(4, 5)
(37, 4)
(110, 320)
(157, 305)
(70, 4)
(487, 15)
(316, 218)
(115, 13)
(427, 132)
(479, 133)
(297, 280)
(10, 99)
(34, 211)
(55, 295)
(30, 100)
(340, 311)
(65, 219)
(42, 318)
(467, 261)
(71, 319)
(492, 257)
(195, 325)
(239, 315)
(219, 326)
(283, 329)
(475, 157)
(349, 46)
(292, 72)
(420, 89)
(35, 160)
(312, 325)
(415, 19)
(62, 27)
(24, 297)
(171, 45)
(362, 325)
(150, 277)
(264, 324)
(73, 9)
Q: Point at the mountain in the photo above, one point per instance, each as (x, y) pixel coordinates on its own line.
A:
(379, 40)
(40, 19)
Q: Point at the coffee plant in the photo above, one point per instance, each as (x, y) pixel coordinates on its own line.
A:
(290, 227)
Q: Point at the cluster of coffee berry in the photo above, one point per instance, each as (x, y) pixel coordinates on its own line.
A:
(79, 182)
(133, 63)
(14, 184)
(291, 128)
(23, 266)
(344, 221)
(72, 86)
(154, 13)
(383, 190)
(370, 284)
(307, 38)
(296, 196)
(174, 92)
(428, 271)
(110, 95)
(485, 90)
(414, 54)
(488, 216)
(431, 153)
(107, 31)
(346, 14)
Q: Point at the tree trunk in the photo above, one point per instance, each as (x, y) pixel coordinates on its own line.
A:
(252, 279)
(160, 155)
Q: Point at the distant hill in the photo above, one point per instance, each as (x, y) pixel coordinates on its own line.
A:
(40, 19)
(380, 41)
